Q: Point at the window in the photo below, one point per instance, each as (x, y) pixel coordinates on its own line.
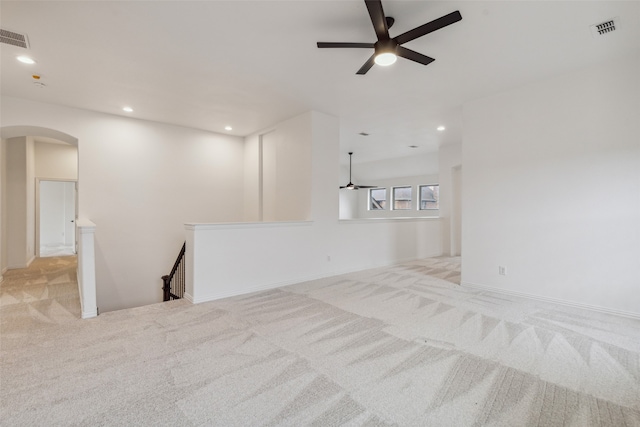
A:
(401, 198)
(377, 199)
(429, 196)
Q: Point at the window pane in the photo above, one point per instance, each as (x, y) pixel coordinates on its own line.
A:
(377, 198)
(429, 196)
(402, 198)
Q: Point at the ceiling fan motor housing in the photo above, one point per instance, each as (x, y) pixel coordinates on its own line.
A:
(386, 46)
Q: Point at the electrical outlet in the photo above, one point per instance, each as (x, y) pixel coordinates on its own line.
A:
(328, 257)
(502, 270)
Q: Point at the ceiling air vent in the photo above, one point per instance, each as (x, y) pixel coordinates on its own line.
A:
(15, 39)
(604, 27)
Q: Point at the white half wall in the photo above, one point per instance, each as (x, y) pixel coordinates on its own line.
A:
(232, 259)
(551, 188)
(139, 182)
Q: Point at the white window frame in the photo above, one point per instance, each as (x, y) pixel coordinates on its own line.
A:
(393, 198)
(370, 199)
(420, 208)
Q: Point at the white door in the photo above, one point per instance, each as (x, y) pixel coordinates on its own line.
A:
(57, 208)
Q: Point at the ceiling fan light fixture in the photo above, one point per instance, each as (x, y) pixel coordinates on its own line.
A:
(386, 58)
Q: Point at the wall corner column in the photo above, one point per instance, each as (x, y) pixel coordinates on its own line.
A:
(87, 268)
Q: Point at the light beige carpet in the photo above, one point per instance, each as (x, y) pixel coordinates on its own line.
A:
(43, 295)
(389, 346)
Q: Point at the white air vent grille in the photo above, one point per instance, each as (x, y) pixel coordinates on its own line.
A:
(15, 39)
(604, 27)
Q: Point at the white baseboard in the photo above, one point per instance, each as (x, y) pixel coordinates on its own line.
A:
(30, 261)
(553, 300)
(263, 287)
(89, 314)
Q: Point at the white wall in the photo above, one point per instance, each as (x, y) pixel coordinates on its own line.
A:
(252, 177)
(20, 238)
(3, 207)
(140, 182)
(552, 188)
(59, 161)
(450, 160)
(368, 173)
(231, 259)
(348, 200)
(278, 172)
(31, 200)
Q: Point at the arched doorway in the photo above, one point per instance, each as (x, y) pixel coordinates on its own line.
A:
(19, 189)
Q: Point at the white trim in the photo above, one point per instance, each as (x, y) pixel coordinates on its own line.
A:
(89, 314)
(85, 226)
(390, 219)
(552, 300)
(236, 225)
(188, 297)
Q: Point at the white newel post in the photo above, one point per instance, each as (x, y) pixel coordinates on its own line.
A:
(87, 268)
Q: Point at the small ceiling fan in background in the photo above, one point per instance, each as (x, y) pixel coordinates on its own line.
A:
(350, 185)
(387, 49)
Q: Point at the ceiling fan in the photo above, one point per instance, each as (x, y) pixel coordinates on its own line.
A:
(350, 185)
(387, 49)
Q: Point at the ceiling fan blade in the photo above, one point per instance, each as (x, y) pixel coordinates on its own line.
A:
(366, 186)
(413, 55)
(338, 44)
(429, 27)
(367, 65)
(378, 19)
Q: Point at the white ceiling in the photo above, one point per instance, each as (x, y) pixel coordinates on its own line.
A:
(250, 64)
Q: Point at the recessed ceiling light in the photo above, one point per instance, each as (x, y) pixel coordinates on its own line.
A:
(26, 60)
(441, 128)
(228, 128)
(127, 109)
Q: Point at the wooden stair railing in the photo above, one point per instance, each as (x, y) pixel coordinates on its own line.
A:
(173, 283)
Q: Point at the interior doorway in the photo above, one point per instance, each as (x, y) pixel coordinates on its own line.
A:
(57, 213)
